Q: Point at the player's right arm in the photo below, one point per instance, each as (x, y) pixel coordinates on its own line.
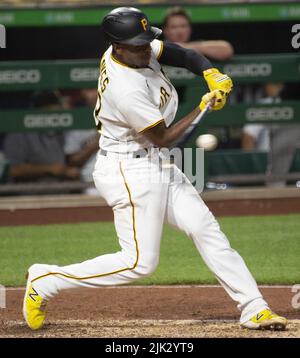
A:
(142, 115)
(161, 136)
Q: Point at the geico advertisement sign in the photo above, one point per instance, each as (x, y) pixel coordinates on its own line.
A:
(20, 76)
(270, 113)
(84, 74)
(248, 70)
(52, 120)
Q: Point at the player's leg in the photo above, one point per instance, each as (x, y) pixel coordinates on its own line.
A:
(139, 207)
(187, 211)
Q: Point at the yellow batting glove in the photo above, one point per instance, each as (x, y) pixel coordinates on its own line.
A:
(217, 99)
(216, 80)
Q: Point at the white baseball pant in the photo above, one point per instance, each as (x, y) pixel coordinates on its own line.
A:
(142, 200)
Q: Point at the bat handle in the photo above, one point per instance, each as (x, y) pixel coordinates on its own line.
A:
(209, 105)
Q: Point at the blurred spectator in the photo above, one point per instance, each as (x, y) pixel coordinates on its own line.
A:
(177, 28)
(284, 141)
(81, 146)
(2, 136)
(257, 136)
(280, 141)
(38, 156)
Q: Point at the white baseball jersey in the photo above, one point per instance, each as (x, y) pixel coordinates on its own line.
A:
(131, 100)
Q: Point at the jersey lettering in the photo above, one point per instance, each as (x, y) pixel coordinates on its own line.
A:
(104, 84)
(164, 96)
(104, 80)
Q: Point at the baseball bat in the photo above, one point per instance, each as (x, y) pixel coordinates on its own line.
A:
(191, 129)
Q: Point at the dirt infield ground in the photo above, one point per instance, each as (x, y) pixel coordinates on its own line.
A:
(158, 311)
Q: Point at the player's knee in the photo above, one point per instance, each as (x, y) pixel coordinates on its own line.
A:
(146, 266)
(36, 269)
(207, 224)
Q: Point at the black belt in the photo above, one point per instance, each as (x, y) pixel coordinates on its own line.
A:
(141, 153)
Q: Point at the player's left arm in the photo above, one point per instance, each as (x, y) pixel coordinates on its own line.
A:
(174, 55)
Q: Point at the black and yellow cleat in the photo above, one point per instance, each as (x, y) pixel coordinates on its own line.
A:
(267, 320)
(34, 307)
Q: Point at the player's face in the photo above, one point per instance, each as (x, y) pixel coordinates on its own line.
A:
(177, 29)
(273, 89)
(137, 56)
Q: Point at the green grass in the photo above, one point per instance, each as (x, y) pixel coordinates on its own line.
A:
(270, 246)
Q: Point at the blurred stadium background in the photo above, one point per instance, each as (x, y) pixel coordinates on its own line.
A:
(49, 69)
(53, 49)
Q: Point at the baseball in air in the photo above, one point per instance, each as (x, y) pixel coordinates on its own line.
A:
(207, 142)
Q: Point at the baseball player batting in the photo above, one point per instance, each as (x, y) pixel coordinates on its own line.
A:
(136, 106)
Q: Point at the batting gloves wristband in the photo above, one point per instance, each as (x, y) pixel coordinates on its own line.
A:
(217, 81)
(217, 98)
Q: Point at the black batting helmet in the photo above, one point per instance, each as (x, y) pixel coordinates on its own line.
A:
(128, 25)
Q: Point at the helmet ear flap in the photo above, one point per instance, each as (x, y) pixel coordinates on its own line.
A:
(116, 48)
